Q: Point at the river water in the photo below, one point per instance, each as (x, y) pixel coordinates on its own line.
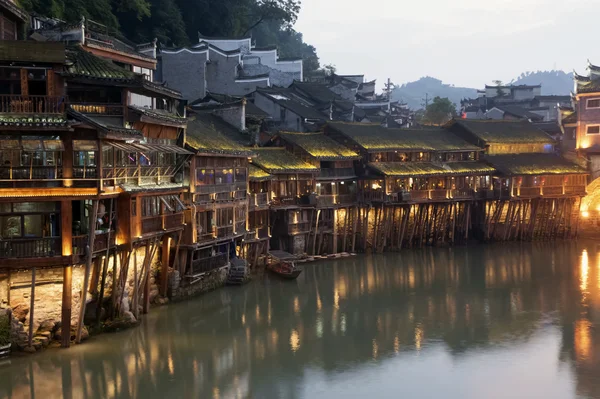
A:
(488, 321)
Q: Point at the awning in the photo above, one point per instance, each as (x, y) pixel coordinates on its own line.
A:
(85, 145)
(32, 145)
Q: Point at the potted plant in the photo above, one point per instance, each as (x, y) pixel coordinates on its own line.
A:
(4, 335)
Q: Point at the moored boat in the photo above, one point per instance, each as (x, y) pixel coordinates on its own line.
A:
(283, 264)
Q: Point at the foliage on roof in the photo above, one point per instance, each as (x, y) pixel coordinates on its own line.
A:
(422, 169)
(86, 65)
(376, 138)
(278, 160)
(504, 131)
(533, 164)
(207, 133)
(319, 146)
(257, 174)
(35, 121)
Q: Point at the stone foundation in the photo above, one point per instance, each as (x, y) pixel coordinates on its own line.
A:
(179, 289)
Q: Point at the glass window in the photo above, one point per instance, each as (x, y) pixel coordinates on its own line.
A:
(593, 129)
(33, 226)
(10, 226)
(205, 176)
(240, 175)
(34, 207)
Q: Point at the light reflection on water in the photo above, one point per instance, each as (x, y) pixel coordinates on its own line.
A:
(499, 321)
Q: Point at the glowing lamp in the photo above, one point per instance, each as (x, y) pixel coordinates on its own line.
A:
(585, 214)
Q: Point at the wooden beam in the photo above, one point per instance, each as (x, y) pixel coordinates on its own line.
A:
(66, 306)
(88, 265)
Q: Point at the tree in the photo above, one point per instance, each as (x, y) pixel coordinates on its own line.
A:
(440, 111)
(499, 91)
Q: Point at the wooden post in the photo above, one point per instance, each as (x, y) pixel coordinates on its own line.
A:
(105, 265)
(31, 306)
(164, 269)
(146, 304)
(88, 265)
(134, 300)
(66, 307)
(316, 232)
(355, 216)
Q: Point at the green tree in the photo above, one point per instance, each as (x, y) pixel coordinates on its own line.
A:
(440, 111)
(499, 90)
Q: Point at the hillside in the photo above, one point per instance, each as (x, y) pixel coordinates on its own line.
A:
(553, 82)
(413, 93)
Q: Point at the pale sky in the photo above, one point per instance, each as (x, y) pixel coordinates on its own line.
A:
(462, 42)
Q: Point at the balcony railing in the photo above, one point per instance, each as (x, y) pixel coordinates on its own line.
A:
(32, 104)
(100, 243)
(240, 195)
(205, 265)
(158, 223)
(260, 199)
(240, 227)
(346, 199)
(225, 231)
(326, 200)
(258, 232)
(31, 173)
(336, 172)
(578, 190)
(527, 192)
(99, 109)
(89, 172)
(462, 193)
(30, 247)
(301, 227)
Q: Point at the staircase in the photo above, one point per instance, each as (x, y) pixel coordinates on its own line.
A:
(237, 272)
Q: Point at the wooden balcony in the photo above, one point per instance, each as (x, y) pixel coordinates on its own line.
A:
(298, 228)
(156, 224)
(31, 173)
(102, 109)
(205, 265)
(101, 243)
(224, 232)
(258, 233)
(240, 227)
(30, 247)
(259, 200)
(575, 190)
(32, 104)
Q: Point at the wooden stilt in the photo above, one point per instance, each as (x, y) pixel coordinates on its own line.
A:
(31, 306)
(344, 240)
(316, 232)
(164, 269)
(105, 265)
(88, 265)
(66, 306)
(134, 298)
(355, 216)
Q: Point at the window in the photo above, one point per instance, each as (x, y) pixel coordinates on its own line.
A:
(593, 129)
(29, 220)
(205, 177)
(593, 103)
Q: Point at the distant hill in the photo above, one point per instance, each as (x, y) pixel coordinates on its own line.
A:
(413, 93)
(553, 82)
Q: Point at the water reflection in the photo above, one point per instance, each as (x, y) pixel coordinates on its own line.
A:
(468, 318)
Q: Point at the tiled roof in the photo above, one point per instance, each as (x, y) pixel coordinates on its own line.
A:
(278, 160)
(533, 164)
(253, 111)
(14, 9)
(316, 91)
(284, 98)
(106, 131)
(209, 134)
(556, 98)
(591, 86)
(519, 112)
(257, 174)
(412, 169)
(159, 114)
(84, 64)
(503, 131)
(570, 118)
(113, 43)
(376, 138)
(320, 146)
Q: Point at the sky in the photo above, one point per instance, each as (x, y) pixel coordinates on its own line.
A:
(465, 42)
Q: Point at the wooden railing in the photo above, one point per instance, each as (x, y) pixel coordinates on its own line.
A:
(301, 227)
(439, 194)
(223, 196)
(259, 232)
(173, 221)
(333, 172)
(527, 192)
(32, 104)
(240, 195)
(224, 231)
(30, 173)
(287, 200)
(462, 193)
(552, 190)
(82, 172)
(346, 199)
(152, 224)
(208, 264)
(99, 108)
(30, 247)
(259, 199)
(373, 196)
(326, 200)
(100, 243)
(579, 190)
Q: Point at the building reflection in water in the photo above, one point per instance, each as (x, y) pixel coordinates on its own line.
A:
(267, 339)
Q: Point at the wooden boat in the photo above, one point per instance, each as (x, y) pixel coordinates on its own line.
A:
(283, 264)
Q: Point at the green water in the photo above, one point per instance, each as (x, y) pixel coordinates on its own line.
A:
(497, 321)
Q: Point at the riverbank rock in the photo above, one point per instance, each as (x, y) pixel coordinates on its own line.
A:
(73, 333)
(20, 312)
